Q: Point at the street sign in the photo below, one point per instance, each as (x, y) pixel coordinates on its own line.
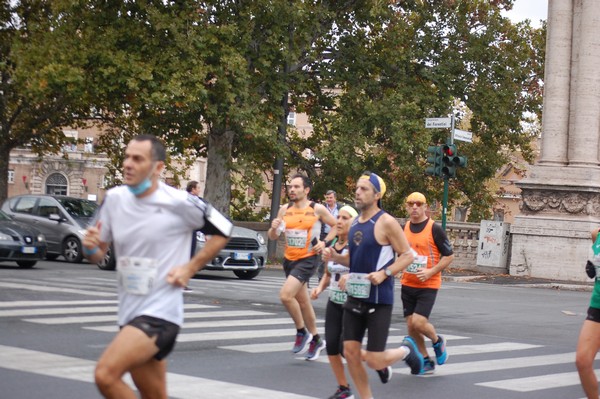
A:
(462, 135)
(435, 123)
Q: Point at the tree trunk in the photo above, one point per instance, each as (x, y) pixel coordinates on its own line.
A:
(218, 170)
(4, 160)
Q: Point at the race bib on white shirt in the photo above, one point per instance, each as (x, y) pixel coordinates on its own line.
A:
(137, 275)
(296, 238)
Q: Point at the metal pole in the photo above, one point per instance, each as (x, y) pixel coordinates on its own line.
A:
(278, 174)
(445, 203)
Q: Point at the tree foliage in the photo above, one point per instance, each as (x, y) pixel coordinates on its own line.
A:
(210, 78)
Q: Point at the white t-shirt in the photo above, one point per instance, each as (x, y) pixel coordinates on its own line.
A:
(158, 228)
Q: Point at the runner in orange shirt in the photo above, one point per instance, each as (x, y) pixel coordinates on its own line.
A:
(301, 220)
(423, 278)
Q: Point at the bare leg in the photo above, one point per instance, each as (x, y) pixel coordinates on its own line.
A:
(307, 310)
(357, 369)
(419, 327)
(587, 348)
(287, 295)
(337, 366)
(130, 349)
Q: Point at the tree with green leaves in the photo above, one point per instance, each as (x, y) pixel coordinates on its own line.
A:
(40, 86)
(419, 60)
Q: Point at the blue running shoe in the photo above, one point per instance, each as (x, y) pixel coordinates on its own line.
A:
(428, 367)
(441, 355)
(414, 359)
(302, 341)
(314, 349)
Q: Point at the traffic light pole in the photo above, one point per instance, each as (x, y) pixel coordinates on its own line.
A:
(446, 178)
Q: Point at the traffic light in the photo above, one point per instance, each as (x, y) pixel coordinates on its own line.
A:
(448, 165)
(434, 159)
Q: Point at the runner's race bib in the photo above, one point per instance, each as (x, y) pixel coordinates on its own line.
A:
(296, 238)
(358, 285)
(137, 275)
(420, 262)
(336, 294)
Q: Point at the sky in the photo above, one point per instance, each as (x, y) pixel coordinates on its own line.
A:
(529, 9)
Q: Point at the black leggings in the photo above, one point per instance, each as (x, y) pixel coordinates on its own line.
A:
(333, 328)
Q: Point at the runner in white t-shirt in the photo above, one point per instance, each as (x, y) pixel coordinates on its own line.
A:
(149, 225)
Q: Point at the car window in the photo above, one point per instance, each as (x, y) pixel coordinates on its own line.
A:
(4, 216)
(25, 205)
(47, 207)
(78, 208)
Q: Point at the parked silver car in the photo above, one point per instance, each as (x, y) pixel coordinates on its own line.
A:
(245, 254)
(61, 219)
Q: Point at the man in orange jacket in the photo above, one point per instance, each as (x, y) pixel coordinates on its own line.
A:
(423, 278)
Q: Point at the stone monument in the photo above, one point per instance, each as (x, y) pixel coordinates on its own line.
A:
(561, 193)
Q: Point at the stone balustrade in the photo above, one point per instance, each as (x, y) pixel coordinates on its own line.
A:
(463, 236)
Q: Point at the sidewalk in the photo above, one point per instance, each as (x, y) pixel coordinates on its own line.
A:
(460, 275)
(464, 275)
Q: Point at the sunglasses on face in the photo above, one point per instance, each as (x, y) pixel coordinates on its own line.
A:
(412, 203)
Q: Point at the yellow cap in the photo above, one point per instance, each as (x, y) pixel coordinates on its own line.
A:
(416, 197)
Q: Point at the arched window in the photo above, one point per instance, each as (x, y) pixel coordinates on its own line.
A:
(56, 184)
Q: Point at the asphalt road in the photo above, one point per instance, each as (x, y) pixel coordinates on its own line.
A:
(504, 341)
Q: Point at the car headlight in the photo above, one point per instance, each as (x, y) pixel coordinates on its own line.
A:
(260, 239)
(41, 238)
(200, 236)
(5, 237)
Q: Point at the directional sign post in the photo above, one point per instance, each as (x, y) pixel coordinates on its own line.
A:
(437, 123)
(462, 135)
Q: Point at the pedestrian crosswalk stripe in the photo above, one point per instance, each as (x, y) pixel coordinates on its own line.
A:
(530, 384)
(113, 318)
(394, 339)
(237, 323)
(286, 346)
(501, 364)
(219, 335)
(22, 304)
(89, 309)
(179, 386)
(40, 288)
(489, 348)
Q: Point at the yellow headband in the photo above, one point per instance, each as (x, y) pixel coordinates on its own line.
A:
(351, 211)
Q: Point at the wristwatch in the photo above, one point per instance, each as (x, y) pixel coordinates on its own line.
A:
(388, 272)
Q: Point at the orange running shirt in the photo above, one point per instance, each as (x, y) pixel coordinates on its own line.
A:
(428, 256)
(301, 225)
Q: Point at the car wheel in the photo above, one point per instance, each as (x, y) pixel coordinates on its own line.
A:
(26, 264)
(52, 256)
(72, 250)
(246, 274)
(109, 262)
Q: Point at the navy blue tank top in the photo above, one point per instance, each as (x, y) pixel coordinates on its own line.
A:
(367, 255)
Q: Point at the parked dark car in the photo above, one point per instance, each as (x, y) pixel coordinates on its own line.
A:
(245, 254)
(61, 219)
(20, 243)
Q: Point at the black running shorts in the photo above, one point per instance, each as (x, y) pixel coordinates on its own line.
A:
(303, 269)
(418, 300)
(164, 331)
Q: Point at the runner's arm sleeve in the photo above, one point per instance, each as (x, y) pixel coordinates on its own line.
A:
(441, 240)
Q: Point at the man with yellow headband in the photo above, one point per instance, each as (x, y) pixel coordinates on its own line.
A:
(375, 238)
(423, 278)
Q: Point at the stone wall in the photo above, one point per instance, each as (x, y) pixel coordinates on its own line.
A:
(463, 236)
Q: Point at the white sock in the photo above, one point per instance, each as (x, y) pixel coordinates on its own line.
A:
(407, 349)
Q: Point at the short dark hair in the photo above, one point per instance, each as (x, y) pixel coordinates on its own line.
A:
(191, 185)
(157, 151)
(306, 182)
